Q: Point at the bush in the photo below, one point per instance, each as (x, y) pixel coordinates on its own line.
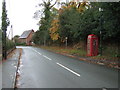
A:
(110, 50)
(20, 44)
(10, 44)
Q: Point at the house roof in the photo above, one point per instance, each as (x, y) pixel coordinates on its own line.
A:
(25, 34)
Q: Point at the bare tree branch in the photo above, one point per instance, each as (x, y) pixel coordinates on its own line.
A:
(54, 4)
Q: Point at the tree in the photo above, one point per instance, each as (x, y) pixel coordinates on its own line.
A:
(16, 38)
(0, 41)
(38, 37)
(0, 36)
(69, 19)
(111, 18)
(88, 23)
(54, 27)
(5, 23)
(45, 21)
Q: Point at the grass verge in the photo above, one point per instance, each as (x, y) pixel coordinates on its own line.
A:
(103, 60)
(65, 50)
(77, 52)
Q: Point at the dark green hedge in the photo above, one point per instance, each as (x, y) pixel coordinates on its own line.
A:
(20, 44)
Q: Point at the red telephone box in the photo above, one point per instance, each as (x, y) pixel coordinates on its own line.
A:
(92, 45)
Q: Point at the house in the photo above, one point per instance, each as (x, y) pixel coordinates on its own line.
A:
(26, 37)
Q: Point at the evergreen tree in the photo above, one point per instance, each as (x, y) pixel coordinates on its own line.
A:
(5, 23)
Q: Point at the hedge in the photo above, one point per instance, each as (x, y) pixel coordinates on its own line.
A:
(10, 44)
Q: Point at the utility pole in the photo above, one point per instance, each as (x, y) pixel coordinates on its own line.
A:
(101, 31)
(44, 40)
(66, 38)
(12, 33)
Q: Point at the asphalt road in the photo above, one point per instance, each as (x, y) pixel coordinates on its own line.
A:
(44, 69)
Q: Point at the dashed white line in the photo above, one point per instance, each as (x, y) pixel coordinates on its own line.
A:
(68, 69)
(42, 55)
(47, 57)
(36, 51)
(59, 64)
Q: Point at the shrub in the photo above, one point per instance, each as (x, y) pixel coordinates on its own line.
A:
(10, 44)
(20, 44)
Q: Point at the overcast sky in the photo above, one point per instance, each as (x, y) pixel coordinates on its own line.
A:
(20, 14)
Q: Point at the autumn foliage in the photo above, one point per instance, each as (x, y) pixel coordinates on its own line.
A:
(80, 7)
(76, 20)
(54, 29)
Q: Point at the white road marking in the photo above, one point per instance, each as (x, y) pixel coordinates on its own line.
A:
(47, 57)
(41, 54)
(68, 69)
(36, 51)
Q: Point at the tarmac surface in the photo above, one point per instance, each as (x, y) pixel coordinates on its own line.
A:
(44, 69)
(40, 68)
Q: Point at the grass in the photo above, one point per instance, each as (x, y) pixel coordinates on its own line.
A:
(79, 52)
(67, 50)
(106, 58)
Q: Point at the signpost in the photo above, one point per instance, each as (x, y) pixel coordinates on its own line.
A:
(66, 38)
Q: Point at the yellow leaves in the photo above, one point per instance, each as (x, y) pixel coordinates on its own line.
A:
(72, 4)
(54, 28)
(54, 36)
(81, 6)
(63, 7)
(55, 22)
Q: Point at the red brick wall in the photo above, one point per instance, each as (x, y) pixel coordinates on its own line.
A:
(29, 38)
(22, 40)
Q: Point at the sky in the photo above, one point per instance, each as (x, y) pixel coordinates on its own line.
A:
(20, 14)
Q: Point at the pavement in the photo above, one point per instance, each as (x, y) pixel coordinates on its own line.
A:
(9, 67)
